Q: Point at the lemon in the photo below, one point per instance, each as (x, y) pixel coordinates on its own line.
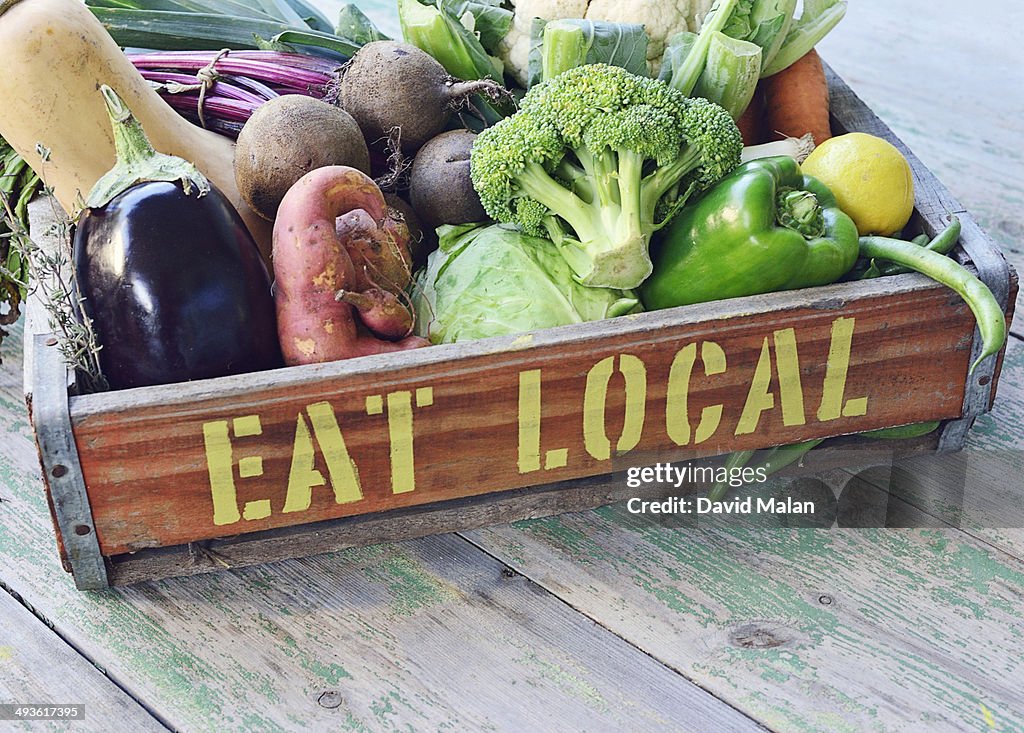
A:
(870, 178)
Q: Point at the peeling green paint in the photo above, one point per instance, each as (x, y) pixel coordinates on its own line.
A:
(572, 682)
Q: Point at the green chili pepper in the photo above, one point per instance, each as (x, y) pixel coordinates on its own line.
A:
(904, 432)
(739, 459)
(944, 243)
(773, 461)
(990, 317)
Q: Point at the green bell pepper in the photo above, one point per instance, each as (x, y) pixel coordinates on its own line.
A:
(765, 227)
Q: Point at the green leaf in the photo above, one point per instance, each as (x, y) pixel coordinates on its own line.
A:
(774, 19)
(558, 45)
(764, 23)
(491, 22)
(434, 28)
(818, 18)
(280, 10)
(313, 39)
(136, 5)
(740, 24)
(356, 26)
(311, 16)
(164, 30)
(687, 73)
(676, 51)
(237, 8)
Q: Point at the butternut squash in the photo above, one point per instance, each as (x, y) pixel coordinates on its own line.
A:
(55, 55)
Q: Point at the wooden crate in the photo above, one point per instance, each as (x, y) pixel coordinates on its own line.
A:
(189, 478)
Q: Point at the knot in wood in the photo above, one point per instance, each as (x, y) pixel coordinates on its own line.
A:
(760, 636)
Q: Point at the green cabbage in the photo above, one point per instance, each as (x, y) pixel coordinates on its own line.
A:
(495, 281)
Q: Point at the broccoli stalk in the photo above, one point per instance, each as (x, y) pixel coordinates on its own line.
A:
(609, 244)
(598, 160)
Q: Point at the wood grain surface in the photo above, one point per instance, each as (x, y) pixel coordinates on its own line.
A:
(38, 668)
(427, 635)
(913, 630)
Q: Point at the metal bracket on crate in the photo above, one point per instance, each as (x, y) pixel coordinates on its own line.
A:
(994, 271)
(58, 456)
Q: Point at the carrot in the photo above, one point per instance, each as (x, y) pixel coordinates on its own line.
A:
(751, 122)
(796, 100)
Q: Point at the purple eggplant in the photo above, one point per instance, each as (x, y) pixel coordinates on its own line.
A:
(169, 276)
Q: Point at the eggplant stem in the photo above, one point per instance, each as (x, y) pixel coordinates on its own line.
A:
(137, 161)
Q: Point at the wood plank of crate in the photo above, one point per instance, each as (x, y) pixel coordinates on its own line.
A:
(37, 668)
(456, 515)
(145, 453)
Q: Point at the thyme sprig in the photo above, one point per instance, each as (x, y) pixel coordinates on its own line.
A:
(51, 278)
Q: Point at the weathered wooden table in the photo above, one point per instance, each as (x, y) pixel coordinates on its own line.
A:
(590, 621)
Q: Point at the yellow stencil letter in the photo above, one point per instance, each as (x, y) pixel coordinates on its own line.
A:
(759, 397)
(303, 475)
(220, 465)
(595, 398)
(791, 393)
(529, 421)
(834, 387)
(677, 419)
(340, 466)
(403, 469)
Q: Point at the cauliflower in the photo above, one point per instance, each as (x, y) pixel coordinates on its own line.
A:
(660, 19)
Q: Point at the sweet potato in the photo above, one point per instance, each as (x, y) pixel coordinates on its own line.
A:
(328, 269)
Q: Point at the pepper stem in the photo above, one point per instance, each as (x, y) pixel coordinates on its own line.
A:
(800, 211)
(137, 162)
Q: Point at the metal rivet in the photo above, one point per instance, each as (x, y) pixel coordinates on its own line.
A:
(984, 381)
(51, 341)
(82, 529)
(825, 600)
(58, 471)
(330, 700)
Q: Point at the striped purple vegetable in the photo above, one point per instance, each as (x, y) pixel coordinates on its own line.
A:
(237, 82)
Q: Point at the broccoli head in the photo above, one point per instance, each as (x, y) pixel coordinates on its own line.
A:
(598, 159)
